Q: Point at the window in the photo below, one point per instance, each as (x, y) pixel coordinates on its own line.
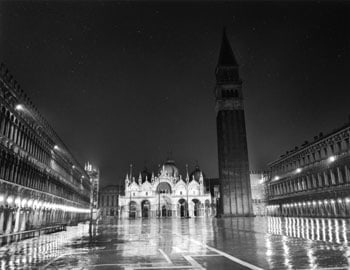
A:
(180, 192)
(146, 193)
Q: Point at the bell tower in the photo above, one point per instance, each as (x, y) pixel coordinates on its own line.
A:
(235, 190)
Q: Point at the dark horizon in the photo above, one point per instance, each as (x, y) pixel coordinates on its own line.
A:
(129, 82)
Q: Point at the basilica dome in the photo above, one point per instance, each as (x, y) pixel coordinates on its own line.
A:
(196, 174)
(170, 168)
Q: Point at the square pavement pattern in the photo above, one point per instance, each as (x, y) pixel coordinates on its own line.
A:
(203, 243)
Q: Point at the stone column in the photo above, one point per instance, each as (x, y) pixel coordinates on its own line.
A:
(347, 174)
(2, 220)
(23, 221)
(9, 222)
(17, 219)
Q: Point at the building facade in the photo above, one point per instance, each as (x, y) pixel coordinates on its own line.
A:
(108, 202)
(313, 180)
(41, 183)
(259, 193)
(235, 199)
(165, 195)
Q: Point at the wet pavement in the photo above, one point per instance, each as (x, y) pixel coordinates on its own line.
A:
(196, 243)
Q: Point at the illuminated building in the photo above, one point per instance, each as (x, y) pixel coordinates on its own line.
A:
(41, 183)
(313, 180)
(258, 188)
(165, 194)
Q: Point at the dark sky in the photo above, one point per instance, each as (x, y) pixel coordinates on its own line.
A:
(126, 82)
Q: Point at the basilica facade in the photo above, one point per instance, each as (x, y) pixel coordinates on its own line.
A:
(165, 194)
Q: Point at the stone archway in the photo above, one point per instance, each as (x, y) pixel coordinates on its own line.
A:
(196, 207)
(182, 208)
(132, 209)
(145, 208)
(165, 206)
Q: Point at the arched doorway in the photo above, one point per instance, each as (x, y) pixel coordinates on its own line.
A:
(196, 207)
(165, 206)
(182, 208)
(164, 202)
(164, 211)
(132, 209)
(164, 187)
(145, 206)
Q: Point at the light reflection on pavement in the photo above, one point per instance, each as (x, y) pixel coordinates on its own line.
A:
(237, 243)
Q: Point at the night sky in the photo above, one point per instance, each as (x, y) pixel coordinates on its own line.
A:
(130, 82)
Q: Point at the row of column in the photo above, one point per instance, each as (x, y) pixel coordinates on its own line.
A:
(331, 177)
(17, 219)
(175, 211)
(324, 208)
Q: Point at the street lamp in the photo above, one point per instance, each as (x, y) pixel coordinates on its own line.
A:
(331, 159)
(19, 107)
(56, 147)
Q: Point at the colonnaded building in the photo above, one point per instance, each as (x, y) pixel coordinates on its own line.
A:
(41, 183)
(166, 194)
(313, 180)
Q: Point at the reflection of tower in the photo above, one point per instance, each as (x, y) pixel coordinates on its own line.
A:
(235, 199)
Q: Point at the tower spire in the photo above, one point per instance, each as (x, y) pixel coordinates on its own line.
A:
(235, 192)
(226, 56)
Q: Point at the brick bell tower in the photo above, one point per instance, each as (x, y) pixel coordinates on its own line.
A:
(235, 190)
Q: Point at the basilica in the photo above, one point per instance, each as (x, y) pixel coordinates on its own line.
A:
(165, 194)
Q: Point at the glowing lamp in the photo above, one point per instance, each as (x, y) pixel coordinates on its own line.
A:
(24, 202)
(56, 147)
(331, 158)
(298, 170)
(19, 107)
(30, 203)
(9, 200)
(18, 201)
